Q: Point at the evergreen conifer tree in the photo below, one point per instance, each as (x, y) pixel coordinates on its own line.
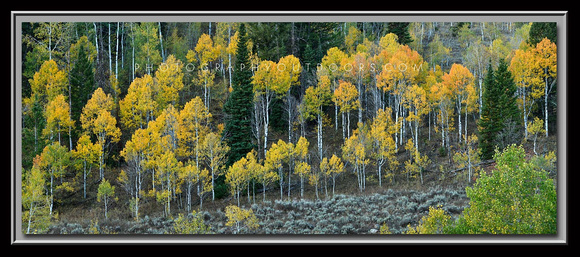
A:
(238, 131)
(499, 124)
(82, 80)
(510, 114)
(401, 29)
(489, 121)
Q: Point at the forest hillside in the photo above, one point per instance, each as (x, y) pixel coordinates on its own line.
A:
(269, 127)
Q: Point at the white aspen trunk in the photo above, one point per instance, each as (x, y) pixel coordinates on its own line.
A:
(465, 123)
(380, 182)
(96, 41)
(301, 186)
(117, 54)
(364, 176)
(348, 123)
(212, 182)
(416, 130)
(122, 46)
(188, 196)
(161, 41)
(133, 55)
(459, 123)
(110, 54)
(546, 92)
(281, 174)
(30, 214)
(50, 41)
(319, 134)
(535, 138)
(343, 127)
(325, 187)
(105, 200)
(290, 118)
(266, 125)
(289, 183)
(524, 112)
(442, 128)
(85, 179)
(229, 54)
(51, 195)
(335, 116)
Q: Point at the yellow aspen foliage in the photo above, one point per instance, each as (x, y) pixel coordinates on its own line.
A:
(169, 80)
(535, 128)
(237, 177)
(105, 194)
(167, 177)
(460, 82)
(214, 152)
(354, 151)
(302, 169)
(352, 39)
(193, 127)
(49, 81)
(436, 222)
(288, 71)
(138, 106)
(346, 97)
(35, 204)
(54, 159)
(239, 218)
(106, 130)
(88, 154)
(191, 175)
(467, 156)
(335, 168)
(382, 144)
(527, 75)
(265, 177)
(58, 118)
(275, 156)
(205, 50)
(194, 225)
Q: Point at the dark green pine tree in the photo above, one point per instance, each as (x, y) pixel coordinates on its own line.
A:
(541, 30)
(82, 80)
(489, 121)
(238, 131)
(401, 29)
(510, 114)
(499, 125)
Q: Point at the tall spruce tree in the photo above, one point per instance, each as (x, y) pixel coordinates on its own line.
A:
(82, 80)
(499, 125)
(238, 131)
(489, 121)
(510, 114)
(401, 29)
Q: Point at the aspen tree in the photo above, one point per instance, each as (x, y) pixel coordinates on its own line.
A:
(35, 204)
(106, 193)
(58, 119)
(548, 64)
(87, 154)
(383, 145)
(346, 97)
(460, 81)
(135, 153)
(214, 152)
(55, 159)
